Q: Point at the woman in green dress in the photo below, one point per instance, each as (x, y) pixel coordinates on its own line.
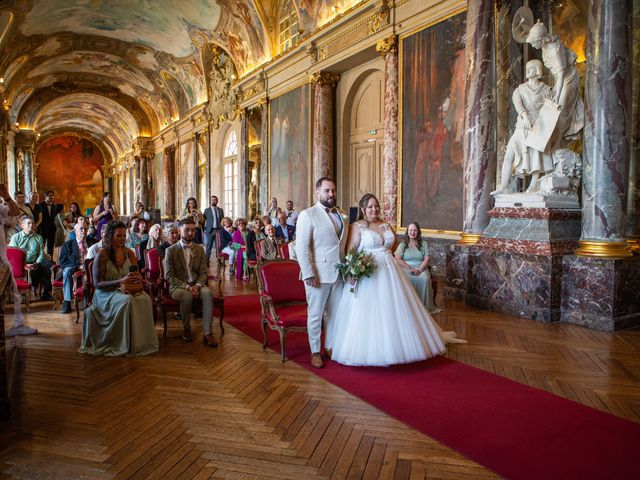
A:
(118, 323)
(413, 256)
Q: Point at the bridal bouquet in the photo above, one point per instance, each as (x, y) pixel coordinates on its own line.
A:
(356, 265)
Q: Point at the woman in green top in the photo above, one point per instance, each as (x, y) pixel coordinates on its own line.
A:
(413, 256)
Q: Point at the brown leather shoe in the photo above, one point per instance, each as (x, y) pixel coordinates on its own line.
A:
(327, 353)
(316, 360)
(186, 336)
(209, 340)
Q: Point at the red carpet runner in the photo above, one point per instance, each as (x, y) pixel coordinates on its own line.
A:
(515, 430)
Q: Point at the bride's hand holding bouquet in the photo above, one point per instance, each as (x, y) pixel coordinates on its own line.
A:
(357, 264)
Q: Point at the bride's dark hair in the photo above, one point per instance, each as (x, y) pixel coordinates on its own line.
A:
(362, 204)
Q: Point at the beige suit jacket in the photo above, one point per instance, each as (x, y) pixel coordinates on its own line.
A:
(318, 247)
(176, 267)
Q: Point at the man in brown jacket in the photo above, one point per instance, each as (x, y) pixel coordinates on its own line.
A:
(186, 269)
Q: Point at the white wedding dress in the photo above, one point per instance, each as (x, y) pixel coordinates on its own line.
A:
(384, 322)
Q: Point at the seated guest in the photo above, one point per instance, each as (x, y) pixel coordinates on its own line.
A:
(140, 212)
(84, 222)
(254, 235)
(239, 245)
(285, 231)
(70, 218)
(226, 241)
(186, 269)
(33, 244)
(72, 255)
(154, 241)
(266, 220)
(120, 319)
(171, 235)
(137, 234)
(93, 249)
(269, 250)
(413, 256)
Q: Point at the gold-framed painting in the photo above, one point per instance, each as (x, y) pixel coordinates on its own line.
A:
(431, 123)
(290, 146)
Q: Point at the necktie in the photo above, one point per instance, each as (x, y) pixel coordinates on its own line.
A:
(215, 217)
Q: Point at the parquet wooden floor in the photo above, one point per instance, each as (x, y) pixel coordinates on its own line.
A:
(237, 412)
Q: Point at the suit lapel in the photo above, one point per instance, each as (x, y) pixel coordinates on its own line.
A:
(327, 220)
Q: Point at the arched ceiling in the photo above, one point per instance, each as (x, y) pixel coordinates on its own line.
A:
(115, 70)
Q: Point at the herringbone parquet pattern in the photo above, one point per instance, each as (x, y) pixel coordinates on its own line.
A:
(238, 412)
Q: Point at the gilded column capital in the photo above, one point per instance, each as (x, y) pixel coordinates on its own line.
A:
(387, 45)
(263, 101)
(324, 78)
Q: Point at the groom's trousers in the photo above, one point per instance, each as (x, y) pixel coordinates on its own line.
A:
(324, 298)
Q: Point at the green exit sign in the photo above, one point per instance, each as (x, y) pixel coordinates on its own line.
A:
(373, 132)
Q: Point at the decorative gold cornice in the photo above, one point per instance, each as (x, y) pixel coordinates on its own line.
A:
(634, 245)
(379, 20)
(324, 78)
(600, 249)
(387, 45)
(263, 101)
(469, 238)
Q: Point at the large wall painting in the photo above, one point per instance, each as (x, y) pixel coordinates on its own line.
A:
(432, 64)
(289, 147)
(186, 174)
(85, 185)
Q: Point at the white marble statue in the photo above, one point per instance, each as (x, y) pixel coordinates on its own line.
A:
(548, 118)
(520, 159)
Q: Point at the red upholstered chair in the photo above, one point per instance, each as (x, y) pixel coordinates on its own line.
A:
(56, 286)
(168, 304)
(283, 299)
(83, 287)
(258, 251)
(152, 273)
(283, 250)
(223, 258)
(17, 259)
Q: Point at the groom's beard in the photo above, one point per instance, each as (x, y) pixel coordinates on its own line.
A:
(330, 203)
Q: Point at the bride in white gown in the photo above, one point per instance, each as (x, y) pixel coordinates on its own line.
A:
(383, 322)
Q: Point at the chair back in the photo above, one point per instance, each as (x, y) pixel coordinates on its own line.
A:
(89, 287)
(152, 262)
(283, 250)
(280, 279)
(17, 259)
(218, 242)
(258, 245)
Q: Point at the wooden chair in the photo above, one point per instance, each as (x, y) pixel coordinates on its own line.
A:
(57, 286)
(17, 259)
(168, 304)
(282, 299)
(152, 273)
(83, 287)
(222, 258)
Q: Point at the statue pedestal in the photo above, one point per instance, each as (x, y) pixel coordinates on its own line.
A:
(538, 200)
(516, 266)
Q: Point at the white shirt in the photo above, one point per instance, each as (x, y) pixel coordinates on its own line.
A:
(292, 217)
(93, 250)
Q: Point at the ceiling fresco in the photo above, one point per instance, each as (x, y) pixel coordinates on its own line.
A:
(114, 70)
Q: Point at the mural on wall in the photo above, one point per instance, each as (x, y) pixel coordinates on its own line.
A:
(432, 89)
(186, 176)
(289, 147)
(85, 185)
(203, 201)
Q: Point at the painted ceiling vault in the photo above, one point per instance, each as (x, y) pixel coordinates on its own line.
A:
(116, 70)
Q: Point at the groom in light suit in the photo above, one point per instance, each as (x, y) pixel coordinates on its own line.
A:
(321, 236)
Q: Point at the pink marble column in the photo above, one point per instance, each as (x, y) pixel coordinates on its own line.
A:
(479, 120)
(168, 167)
(388, 49)
(323, 85)
(263, 181)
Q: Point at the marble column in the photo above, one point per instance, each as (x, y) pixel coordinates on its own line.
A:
(11, 161)
(263, 180)
(28, 173)
(323, 94)
(168, 180)
(144, 180)
(243, 165)
(388, 49)
(607, 130)
(633, 202)
(479, 120)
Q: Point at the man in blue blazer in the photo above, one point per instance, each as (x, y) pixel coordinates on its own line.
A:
(72, 255)
(284, 231)
(212, 224)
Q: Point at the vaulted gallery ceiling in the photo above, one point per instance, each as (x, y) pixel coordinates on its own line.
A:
(115, 70)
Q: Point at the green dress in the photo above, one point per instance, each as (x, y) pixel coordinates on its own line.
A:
(421, 283)
(117, 323)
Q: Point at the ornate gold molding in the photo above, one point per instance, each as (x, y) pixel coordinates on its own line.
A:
(379, 20)
(387, 45)
(599, 249)
(469, 238)
(634, 245)
(324, 78)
